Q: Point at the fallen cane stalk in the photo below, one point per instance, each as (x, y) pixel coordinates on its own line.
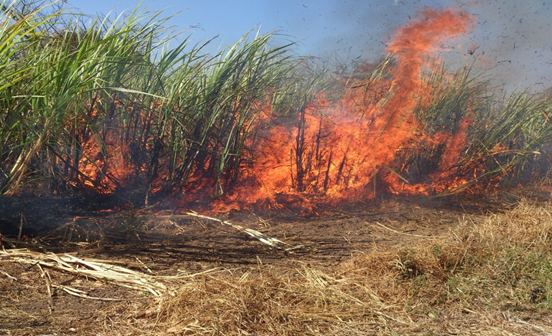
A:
(273, 242)
(253, 233)
(82, 294)
(47, 279)
(97, 269)
(9, 276)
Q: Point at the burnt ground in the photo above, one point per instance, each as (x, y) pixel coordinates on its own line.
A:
(167, 243)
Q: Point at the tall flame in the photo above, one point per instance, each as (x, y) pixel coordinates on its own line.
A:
(343, 151)
(337, 153)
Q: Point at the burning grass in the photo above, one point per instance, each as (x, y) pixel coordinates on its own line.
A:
(105, 107)
(489, 277)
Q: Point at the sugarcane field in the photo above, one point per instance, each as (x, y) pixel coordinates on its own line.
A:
(150, 187)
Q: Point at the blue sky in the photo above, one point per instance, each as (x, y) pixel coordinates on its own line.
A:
(348, 27)
(513, 37)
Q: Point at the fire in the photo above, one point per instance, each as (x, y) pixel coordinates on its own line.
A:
(336, 152)
(107, 162)
(100, 172)
(342, 152)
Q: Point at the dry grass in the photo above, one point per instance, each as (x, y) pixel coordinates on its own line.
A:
(490, 277)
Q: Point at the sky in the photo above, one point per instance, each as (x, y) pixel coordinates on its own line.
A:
(511, 40)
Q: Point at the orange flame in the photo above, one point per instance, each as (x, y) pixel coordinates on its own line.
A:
(337, 153)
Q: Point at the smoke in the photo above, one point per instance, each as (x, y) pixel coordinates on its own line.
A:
(513, 39)
(510, 40)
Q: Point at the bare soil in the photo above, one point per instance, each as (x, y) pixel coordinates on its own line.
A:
(163, 242)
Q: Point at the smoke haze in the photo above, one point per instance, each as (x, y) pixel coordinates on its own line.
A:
(510, 41)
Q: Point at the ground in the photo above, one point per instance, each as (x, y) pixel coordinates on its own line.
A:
(163, 242)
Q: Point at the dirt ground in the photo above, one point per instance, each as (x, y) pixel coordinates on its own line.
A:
(164, 242)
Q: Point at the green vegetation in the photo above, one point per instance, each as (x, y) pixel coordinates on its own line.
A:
(117, 83)
(108, 105)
